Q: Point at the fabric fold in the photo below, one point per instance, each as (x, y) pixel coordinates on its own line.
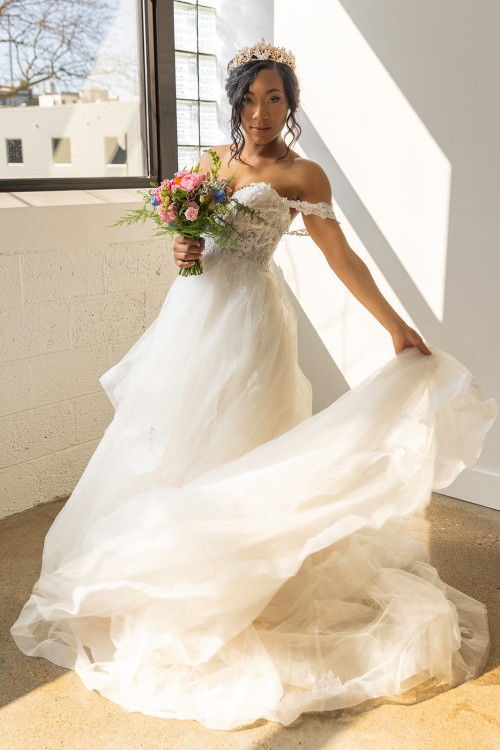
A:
(276, 562)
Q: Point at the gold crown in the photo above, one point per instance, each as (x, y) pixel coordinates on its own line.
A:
(262, 51)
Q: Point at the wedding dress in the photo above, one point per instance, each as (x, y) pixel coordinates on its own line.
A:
(228, 556)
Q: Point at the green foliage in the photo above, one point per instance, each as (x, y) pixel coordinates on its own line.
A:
(213, 171)
(211, 220)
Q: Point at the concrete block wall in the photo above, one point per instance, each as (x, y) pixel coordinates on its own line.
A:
(75, 295)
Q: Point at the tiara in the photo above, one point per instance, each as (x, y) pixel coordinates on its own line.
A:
(262, 51)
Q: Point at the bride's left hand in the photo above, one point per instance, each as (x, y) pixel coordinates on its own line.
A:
(407, 337)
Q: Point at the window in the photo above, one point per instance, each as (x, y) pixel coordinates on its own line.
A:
(105, 114)
(14, 150)
(114, 152)
(196, 79)
(61, 151)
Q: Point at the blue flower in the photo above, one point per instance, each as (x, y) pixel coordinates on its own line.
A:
(154, 200)
(220, 196)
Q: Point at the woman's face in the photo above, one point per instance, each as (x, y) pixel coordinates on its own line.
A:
(264, 108)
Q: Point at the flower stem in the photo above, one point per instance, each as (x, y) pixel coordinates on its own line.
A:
(194, 270)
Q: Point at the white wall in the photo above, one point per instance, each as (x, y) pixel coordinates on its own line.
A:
(239, 24)
(399, 107)
(75, 295)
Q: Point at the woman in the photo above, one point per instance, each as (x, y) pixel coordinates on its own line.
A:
(226, 555)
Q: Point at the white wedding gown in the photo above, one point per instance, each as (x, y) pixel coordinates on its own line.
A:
(226, 556)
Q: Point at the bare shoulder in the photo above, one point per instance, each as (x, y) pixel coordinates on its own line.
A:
(311, 182)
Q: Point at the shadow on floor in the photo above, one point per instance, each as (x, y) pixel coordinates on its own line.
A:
(21, 545)
(461, 539)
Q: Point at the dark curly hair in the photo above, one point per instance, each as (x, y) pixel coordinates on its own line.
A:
(239, 81)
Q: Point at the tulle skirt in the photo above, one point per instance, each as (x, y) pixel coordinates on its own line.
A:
(226, 556)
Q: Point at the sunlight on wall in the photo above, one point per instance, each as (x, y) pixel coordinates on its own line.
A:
(341, 322)
(388, 156)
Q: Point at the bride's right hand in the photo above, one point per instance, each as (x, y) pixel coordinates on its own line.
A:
(187, 250)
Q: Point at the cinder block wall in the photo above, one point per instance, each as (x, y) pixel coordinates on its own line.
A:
(75, 295)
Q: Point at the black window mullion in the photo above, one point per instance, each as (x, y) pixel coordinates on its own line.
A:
(147, 83)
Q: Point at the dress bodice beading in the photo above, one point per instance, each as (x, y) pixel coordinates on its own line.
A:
(254, 240)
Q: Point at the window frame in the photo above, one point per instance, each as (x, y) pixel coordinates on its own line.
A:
(156, 60)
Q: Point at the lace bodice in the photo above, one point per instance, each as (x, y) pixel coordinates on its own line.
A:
(257, 241)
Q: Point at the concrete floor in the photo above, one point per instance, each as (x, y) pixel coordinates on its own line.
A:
(43, 707)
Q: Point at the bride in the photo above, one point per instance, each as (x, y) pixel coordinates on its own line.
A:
(226, 555)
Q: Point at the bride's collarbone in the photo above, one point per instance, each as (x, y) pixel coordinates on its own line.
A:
(282, 188)
(283, 181)
(282, 185)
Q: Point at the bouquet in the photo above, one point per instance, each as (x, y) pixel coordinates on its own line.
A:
(192, 203)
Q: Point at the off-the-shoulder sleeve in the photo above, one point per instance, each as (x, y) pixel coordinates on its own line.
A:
(323, 209)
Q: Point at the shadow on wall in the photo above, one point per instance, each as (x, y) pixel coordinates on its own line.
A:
(412, 126)
(370, 234)
(315, 360)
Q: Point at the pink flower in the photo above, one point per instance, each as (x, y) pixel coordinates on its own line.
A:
(192, 180)
(168, 216)
(162, 212)
(191, 211)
